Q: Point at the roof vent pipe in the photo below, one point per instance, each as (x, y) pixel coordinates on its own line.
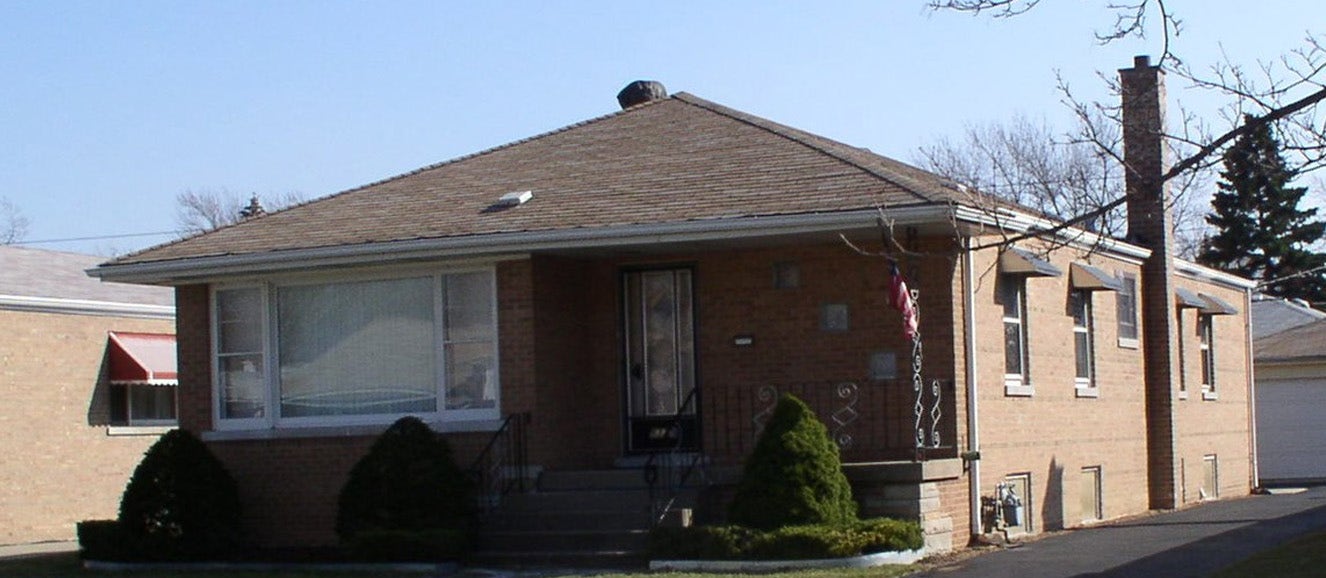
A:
(640, 92)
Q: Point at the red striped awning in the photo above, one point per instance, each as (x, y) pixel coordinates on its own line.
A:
(142, 358)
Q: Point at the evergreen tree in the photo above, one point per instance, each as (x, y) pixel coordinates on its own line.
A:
(1260, 231)
(794, 476)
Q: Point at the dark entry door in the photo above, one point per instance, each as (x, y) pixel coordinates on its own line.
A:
(660, 360)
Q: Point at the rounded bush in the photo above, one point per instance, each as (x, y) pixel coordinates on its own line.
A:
(181, 503)
(407, 482)
(794, 476)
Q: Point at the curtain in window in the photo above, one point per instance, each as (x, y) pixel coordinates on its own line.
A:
(357, 348)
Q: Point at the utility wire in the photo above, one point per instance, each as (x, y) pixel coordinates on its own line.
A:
(95, 238)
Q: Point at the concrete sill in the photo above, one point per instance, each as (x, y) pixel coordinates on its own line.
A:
(1086, 392)
(1019, 390)
(1210, 396)
(765, 566)
(482, 426)
(137, 430)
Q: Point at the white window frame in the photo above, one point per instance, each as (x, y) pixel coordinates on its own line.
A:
(1206, 346)
(1016, 384)
(130, 420)
(1129, 292)
(1080, 301)
(478, 418)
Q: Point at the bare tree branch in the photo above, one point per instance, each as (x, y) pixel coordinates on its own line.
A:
(1283, 91)
(13, 225)
(202, 210)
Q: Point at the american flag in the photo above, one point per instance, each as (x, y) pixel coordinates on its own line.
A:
(901, 299)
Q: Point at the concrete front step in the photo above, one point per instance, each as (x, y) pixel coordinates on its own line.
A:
(607, 559)
(564, 541)
(505, 520)
(590, 480)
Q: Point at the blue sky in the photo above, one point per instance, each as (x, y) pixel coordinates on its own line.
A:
(108, 110)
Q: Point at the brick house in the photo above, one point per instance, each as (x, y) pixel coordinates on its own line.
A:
(596, 276)
(86, 369)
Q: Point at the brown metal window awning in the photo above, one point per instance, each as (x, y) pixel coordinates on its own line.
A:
(1015, 261)
(142, 358)
(1204, 303)
(1087, 278)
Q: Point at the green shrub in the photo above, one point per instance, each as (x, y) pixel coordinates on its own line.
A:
(181, 503)
(794, 476)
(409, 545)
(700, 542)
(105, 540)
(804, 542)
(409, 488)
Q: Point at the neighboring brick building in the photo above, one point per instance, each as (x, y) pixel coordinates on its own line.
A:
(595, 276)
(70, 436)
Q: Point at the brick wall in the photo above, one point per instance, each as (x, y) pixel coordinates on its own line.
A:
(52, 424)
(1053, 433)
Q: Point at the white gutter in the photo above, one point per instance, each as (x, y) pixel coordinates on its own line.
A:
(973, 414)
(85, 307)
(1201, 273)
(1010, 221)
(177, 271)
(1252, 385)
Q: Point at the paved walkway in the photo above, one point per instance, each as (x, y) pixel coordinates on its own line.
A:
(23, 550)
(1192, 542)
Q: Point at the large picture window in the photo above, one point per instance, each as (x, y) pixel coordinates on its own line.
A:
(357, 351)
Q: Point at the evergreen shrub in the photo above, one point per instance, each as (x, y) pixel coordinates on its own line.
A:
(407, 498)
(794, 476)
(802, 542)
(181, 503)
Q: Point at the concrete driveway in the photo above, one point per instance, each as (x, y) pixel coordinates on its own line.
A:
(1196, 541)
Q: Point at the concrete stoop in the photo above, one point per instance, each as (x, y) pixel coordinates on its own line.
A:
(597, 518)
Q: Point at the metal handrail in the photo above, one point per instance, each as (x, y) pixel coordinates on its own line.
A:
(503, 465)
(661, 503)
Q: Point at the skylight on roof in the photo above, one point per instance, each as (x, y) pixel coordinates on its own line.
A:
(515, 198)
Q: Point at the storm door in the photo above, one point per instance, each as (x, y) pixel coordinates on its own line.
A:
(659, 330)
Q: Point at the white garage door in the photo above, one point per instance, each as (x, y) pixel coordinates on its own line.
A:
(1291, 430)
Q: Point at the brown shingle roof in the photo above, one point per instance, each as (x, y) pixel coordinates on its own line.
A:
(1302, 343)
(673, 160)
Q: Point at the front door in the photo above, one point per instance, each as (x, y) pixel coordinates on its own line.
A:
(659, 326)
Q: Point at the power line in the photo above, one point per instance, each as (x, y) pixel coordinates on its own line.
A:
(96, 238)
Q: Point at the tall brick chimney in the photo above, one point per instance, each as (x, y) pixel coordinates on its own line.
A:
(1149, 225)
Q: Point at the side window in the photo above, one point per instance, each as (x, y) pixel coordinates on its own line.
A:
(1126, 300)
(1079, 303)
(1205, 335)
(1013, 297)
(240, 359)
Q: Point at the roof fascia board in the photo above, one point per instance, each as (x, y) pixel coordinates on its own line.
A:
(85, 307)
(1007, 220)
(1201, 273)
(510, 245)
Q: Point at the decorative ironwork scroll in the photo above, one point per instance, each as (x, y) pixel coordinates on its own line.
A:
(844, 416)
(768, 395)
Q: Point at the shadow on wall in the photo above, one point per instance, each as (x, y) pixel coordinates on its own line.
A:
(99, 406)
(1052, 513)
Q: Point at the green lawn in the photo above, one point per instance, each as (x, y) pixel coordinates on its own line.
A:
(67, 565)
(1301, 558)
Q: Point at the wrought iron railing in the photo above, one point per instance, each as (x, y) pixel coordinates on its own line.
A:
(871, 420)
(503, 465)
(666, 473)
